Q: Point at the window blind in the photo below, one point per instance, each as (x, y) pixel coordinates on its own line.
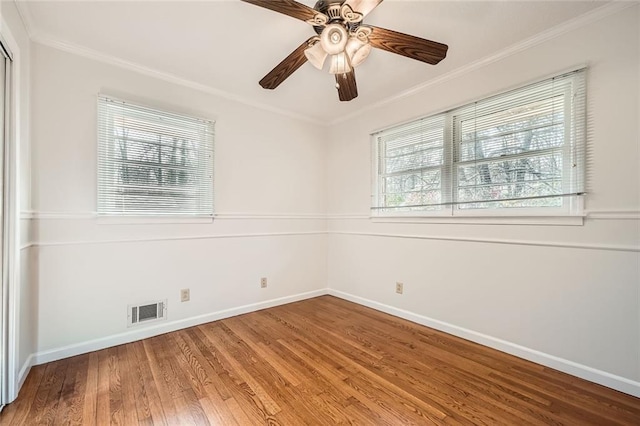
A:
(152, 162)
(520, 149)
(410, 165)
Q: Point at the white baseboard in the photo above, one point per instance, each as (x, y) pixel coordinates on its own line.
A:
(609, 380)
(22, 376)
(139, 334)
(591, 374)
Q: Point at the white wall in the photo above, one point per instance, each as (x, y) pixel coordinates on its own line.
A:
(269, 191)
(572, 293)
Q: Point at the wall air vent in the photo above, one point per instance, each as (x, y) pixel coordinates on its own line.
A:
(147, 312)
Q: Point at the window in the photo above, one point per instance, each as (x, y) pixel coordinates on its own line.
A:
(518, 153)
(152, 162)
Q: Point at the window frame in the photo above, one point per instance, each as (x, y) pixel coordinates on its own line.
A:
(378, 183)
(570, 213)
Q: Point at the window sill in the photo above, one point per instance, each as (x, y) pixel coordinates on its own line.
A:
(151, 220)
(574, 220)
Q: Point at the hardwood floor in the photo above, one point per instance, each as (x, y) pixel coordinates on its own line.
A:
(320, 361)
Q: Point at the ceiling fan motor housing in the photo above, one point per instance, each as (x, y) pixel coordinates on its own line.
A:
(332, 9)
(322, 5)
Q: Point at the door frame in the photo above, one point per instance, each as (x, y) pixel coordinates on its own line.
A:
(9, 324)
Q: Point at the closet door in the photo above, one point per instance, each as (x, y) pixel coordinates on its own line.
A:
(5, 102)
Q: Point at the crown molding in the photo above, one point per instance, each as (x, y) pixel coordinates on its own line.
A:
(549, 34)
(37, 36)
(50, 41)
(27, 18)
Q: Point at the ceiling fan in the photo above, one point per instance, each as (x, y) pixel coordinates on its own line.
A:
(343, 38)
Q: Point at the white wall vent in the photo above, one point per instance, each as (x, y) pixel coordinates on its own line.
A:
(147, 312)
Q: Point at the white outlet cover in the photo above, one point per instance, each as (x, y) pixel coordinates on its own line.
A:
(185, 295)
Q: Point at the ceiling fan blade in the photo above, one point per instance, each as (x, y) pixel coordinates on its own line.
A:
(412, 47)
(347, 88)
(363, 6)
(287, 7)
(284, 69)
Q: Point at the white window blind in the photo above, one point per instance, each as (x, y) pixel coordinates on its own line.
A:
(411, 164)
(523, 151)
(152, 162)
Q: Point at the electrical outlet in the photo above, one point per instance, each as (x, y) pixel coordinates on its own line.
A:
(184, 295)
(263, 282)
(399, 288)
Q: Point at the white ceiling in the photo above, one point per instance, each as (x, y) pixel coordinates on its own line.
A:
(230, 45)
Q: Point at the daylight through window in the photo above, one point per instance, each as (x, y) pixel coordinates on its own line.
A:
(520, 153)
(152, 162)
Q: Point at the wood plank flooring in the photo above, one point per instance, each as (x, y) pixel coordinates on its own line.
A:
(320, 361)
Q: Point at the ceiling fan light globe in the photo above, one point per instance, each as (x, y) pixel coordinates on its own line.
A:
(316, 55)
(357, 51)
(340, 64)
(334, 39)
